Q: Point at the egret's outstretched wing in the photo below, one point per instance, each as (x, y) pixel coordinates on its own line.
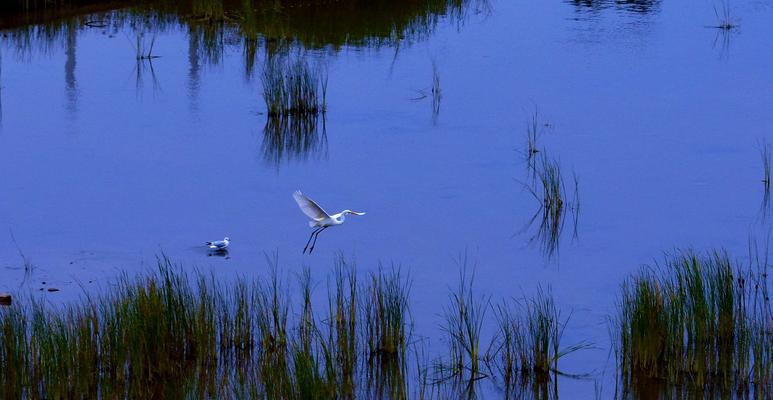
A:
(309, 207)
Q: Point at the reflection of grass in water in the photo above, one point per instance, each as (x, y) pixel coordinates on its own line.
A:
(293, 88)
(698, 319)
(293, 138)
(220, 23)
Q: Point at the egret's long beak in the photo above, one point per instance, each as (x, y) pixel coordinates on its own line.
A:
(358, 213)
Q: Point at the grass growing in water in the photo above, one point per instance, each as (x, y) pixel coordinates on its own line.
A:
(176, 335)
(532, 133)
(527, 347)
(437, 93)
(766, 162)
(143, 49)
(463, 322)
(550, 192)
(292, 88)
(699, 318)
(765, 154)
(725, 19)
(387, 332)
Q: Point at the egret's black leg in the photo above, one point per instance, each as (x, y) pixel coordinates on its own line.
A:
(309, 241)
(315, 239)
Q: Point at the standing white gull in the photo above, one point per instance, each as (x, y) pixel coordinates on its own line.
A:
(319, 219)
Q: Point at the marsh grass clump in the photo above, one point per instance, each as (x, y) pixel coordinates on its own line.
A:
(697, 319)
(293, 88)
(387, 333)
(342, 346)
(462, 327)
(527, 346)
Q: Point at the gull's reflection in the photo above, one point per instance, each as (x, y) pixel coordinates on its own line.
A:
(219, 253)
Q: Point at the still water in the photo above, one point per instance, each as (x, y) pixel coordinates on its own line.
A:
(108, 162)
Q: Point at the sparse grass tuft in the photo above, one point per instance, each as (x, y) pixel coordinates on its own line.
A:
(527, 346)
(765, 154)
(532, 134)
(550, 192)
(463, 322)
(725, 19)
(144, 49)
(437, 92)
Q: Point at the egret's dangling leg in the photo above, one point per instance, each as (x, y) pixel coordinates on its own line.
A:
(309, 241)
(315, 239)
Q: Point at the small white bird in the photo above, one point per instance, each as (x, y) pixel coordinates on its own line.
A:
(219, 245)
(320, 220)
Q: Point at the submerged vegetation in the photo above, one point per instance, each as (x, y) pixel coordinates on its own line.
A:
(698, 319)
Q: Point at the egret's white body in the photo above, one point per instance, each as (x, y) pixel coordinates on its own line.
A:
(219, 244)
(318, 218)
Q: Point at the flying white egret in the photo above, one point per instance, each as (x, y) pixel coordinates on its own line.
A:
(219, 245)
(320, 220)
